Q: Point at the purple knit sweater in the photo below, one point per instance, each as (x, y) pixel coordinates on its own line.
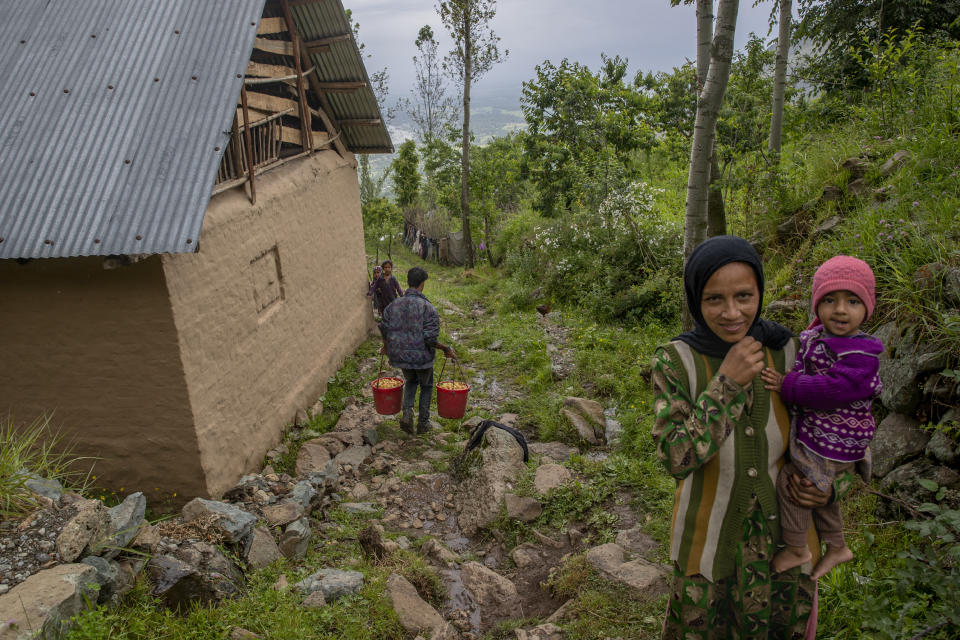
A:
(833, 384)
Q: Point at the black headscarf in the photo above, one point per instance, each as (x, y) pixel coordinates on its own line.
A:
(704, 261)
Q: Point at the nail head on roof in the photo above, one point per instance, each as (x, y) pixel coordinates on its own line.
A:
(110, 86)
(193, 77)
(216, 148)
(48, 242)
(32, 94)
(127, 161)
(176, 31)
(189, 240)
(1, 238)
(96, 241)
(139, 237)
(23, 42)
(66, 90)
(93, 35)
(156, 79)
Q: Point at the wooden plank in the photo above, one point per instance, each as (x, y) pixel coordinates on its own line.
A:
(255, 114)
(279, 47)
(261, 70)
(272, 25)
(291, 135)
(341, 87)
(265, 102)
(323, 44)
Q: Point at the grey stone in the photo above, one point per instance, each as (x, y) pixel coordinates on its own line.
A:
(370, 436)
(550, 476)
(606, 558)
(489, 589)
(856, 166)
(788, 228)
(238, 633)
(303, 494)
(643, 576)
(831, 193)
(509, 419)
(88, 529)
(897, 439)
(526, 555)
(315, 600)
(786, 306)
(334, 583)
(354, 456)
(263, 549)
(480, 496)
(545, 631)
(589, 409)
(45, 602)
(554, 450)
(943, 448)
(198, 573)
(296, 538)
(108, 576)
(894, 163)
(375, 544)
(613, 431)
(414, 613)
(360, 508)
(125, 519)
(326, 479)
(522, 508)
(584, 429)
(904, 482)
(46, 487)
(233, 522)
(636, 541)
(312, 457)
(827, 226)
(438, 553)
(472, 422)
(284, 512)
(496, 345)
(858, 188)
(900, 374)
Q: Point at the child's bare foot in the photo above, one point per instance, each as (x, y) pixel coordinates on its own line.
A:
(833, 557)
(789, 558)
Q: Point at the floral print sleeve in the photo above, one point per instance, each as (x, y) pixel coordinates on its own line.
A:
(687, 433)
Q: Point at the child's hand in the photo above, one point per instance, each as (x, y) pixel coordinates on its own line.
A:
(772, 379)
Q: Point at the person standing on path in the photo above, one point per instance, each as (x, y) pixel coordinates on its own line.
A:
(384, 288)
(723, 436)
(410, 328)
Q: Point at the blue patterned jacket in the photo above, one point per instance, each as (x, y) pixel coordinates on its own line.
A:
(410, 328)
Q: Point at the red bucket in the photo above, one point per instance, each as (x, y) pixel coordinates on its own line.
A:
(387, 401)
(452, 403)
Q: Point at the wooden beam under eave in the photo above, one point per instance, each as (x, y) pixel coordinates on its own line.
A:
(266, 102)
(327, 41)
(278, 47)
(341, 87)
(271, 25)
(326, 114)
(262, 70)
(295, 136)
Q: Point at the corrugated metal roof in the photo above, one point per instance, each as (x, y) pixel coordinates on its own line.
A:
(343, 63)
(115, 115)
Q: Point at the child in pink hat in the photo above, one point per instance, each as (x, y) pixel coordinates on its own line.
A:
(832, 386)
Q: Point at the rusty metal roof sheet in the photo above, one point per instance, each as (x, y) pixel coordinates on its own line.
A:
(362, 125)
(115, 115)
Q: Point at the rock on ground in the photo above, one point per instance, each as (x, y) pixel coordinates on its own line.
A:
(479, 497)
(550, 476)
(312, 457)
(897, 439)
(489, 589)
(233, 522)
(334, 583)
(522, 508)
(46, 601)
(414, 612)
(125, 519)
(85, 531)
(263, 549)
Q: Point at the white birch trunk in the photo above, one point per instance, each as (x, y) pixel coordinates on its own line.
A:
(465, 153)
(704, 132)
(780, 77)
(704, 38)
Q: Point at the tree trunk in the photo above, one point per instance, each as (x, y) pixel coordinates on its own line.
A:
(465, 153)
(704, 36)
(716, 210)
(780, 80)
(704, 131)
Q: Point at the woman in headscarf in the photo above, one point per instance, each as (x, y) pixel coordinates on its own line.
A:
(723, 437)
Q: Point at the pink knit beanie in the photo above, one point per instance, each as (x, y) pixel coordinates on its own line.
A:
(847, 274)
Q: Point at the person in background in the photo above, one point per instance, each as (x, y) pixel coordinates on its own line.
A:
(384, 288)
(832, 386)
(723, 437)
(410, 328)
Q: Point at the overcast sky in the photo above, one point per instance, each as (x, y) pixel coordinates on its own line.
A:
(650, 33)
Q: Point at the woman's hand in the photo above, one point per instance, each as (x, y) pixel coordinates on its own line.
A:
(803, 493)
(743, 362)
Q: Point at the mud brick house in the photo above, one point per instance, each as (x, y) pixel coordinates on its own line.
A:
(181, 247)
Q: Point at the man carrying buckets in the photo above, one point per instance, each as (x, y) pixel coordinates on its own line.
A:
(410, 328)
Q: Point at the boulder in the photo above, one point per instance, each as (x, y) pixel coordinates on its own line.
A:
(239, 633)
(900, 374)
(526, 555)
(147, 538)
(858, 188)
(856, 166)
(233, 522)
(550, 476)
(556, 451)
(44, 603)
(198, 573)
(509, 419)
(480, 495)
(303, 494)
(522, 508)
(87, 530)
(125, 519)
(489, 589)
(375, 544)
(904, 483)
(312, 457)
(360, 508)
(827, 226)
(636, 541)
(46, 487)
(434, 550)
(415, 614)
(357, 417)
(612, 431)
(896, 161)
(585, 430)
(943, 448)
(296, 539)
(315, 600)
(589, 409)
(606, 558)
(897, 439)
(263, 549)
(354, 456)
(283, 513)
(831, 193)
(334, 583)
(644, 576)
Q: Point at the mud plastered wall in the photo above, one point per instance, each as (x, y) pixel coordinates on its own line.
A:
(269, 307)
(98, 350)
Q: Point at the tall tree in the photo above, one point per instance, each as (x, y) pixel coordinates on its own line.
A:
(431, 109)
(704, 130)
(406, 174)
(474, 53)
(780, 79)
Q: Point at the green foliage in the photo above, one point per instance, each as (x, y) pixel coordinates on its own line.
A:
(406, 174)
(29, 450)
